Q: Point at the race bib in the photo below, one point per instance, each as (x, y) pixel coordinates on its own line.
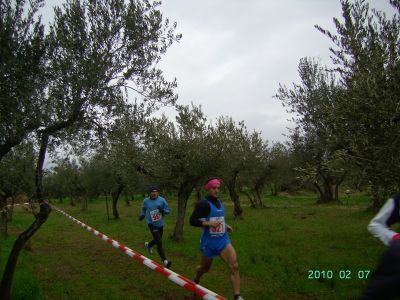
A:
(220, 229)
(155, 215)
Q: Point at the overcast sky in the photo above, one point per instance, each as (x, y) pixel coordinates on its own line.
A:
(234, 53)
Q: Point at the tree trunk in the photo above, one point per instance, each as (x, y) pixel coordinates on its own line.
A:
(184, 192)
(61, 199)
(40, 219)
(337, 192)
(378, 198)
(39, 167)
(3, 215)
(321, 193)
(108, 212)
(19, 244)
(338, 183)
(231, 185)
(274, 189)
(115, 195)
(327, 193)
(237, 208)
(127, 200)
(252, 201)
(12, 142)
(258, 196)
(84, 203)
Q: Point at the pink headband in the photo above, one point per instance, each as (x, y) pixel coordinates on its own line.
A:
(212, 183)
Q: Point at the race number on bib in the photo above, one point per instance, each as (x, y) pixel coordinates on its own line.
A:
(220, 229)
(155, 215)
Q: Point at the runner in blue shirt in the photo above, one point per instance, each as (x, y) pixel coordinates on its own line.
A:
(210, 215)
(154, 208)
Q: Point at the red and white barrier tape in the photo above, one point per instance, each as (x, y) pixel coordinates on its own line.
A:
(180, 280)
(13, 205)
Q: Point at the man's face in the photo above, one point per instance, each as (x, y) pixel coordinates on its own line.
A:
(154, 194)
(214, 191)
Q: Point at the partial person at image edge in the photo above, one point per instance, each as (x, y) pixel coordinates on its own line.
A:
(385, 281)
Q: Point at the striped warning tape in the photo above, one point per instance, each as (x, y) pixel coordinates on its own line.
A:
(180, 280)
(13, 205)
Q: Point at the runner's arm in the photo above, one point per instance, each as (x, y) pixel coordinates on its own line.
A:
(142, 210)
(201, 211)
(379, 225)
(166, 209)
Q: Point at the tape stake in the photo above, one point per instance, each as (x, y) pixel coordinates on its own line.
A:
(180, 280)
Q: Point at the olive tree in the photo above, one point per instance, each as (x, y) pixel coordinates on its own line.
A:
(234, 144)
(314, 103)
(181, 155)
(95, 52)
(256, 169)
(123, 151)
(365, 53)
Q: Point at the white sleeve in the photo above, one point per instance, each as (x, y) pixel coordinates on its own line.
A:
(378, 225)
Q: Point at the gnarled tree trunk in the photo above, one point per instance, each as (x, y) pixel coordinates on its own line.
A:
(250, 197)
(108, 213)
(326, 193)
(258, 196)
(337, 185)
(40, 219)
(115, 196)
(231, 185)
(274, 190)
(184, 192)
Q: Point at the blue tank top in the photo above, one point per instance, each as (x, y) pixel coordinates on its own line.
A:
(216, 214)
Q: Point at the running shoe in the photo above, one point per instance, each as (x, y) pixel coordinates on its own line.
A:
(149, 249)
(167, 263)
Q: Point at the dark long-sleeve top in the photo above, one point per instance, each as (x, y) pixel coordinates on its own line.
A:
(202, 210)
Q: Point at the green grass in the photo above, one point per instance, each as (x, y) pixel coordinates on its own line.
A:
(276, 246)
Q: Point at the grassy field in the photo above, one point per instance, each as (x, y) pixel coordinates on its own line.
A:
(277, 247)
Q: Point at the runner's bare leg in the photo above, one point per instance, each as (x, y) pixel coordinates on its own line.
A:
(203, 268)
(229, 256)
